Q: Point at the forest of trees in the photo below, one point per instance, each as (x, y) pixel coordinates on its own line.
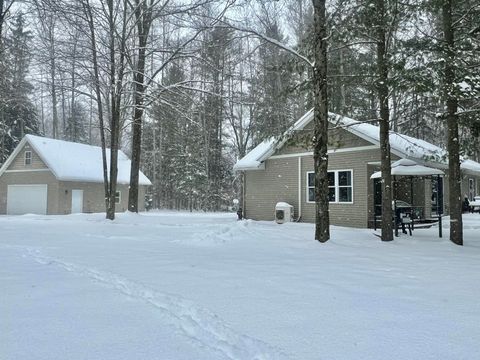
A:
(187, 87)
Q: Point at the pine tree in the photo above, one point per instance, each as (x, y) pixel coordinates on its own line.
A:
(17, 112)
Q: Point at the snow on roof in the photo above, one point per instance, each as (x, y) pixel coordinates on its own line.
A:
(253, 160)
(470, 166)
(407, 167)
(71, 161)
(402, 145)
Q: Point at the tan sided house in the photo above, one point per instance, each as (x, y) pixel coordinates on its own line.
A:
(281, 170)
(47, 176)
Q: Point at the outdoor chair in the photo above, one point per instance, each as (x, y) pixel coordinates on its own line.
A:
(406, 221)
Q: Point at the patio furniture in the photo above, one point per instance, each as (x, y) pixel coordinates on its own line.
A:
(411, 169)
(404, 216)
(475, 204)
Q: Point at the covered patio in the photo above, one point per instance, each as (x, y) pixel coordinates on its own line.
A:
(417, 196)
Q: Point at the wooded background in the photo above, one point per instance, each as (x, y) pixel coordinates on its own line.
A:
(187, 87)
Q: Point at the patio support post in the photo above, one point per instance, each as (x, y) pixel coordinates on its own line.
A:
(395, 217)
(395, 220)
(411, 192)
(438, 208)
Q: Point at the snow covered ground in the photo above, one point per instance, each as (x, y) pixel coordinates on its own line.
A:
(172, 285)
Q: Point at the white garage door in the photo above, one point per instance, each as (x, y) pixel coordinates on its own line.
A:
(27, 199)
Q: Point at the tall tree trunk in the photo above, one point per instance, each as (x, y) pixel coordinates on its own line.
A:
(143, 13)
(2, 19)
(74, 125)
(64, 106)
(453, 145)
(382, 88)
(98, 93)
(115, 101)
(53, 90)
(320, 155)
(137, 132)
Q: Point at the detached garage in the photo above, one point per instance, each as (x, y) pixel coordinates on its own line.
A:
(48, 176)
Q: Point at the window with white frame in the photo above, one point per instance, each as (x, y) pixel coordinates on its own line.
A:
(118, 197)
(28, 157)
(340, 186)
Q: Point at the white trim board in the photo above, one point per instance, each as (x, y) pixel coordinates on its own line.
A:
(333, 151)
(27, 170)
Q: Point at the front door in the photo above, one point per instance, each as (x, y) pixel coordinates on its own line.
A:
(471, 189)
(77, 201)
(437, 195)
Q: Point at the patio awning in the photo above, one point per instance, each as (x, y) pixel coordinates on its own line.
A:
(406, 167)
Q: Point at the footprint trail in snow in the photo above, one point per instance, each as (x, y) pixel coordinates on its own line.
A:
(199, 325)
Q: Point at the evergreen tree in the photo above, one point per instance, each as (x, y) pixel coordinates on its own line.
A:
(17, 112)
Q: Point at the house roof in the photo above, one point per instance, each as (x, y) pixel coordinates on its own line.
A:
(401, 145)
(71, 161)
(407, 167)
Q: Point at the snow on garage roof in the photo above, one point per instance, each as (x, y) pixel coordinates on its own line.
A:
(71, 161)
(401, 145)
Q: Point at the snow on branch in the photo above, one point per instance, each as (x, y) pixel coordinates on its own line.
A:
(268, 40)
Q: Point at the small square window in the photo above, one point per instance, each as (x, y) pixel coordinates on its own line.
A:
(28, 157)
(118, 197)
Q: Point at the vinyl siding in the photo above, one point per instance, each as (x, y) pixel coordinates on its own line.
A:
(19, 162)
(59, 196)
(279, 182)
(338, 139)
(93, 197)
(351, 215)
(264, 188)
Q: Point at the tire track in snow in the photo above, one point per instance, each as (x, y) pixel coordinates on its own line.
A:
(199, 325)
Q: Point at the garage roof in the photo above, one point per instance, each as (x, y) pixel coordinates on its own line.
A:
(71, 161)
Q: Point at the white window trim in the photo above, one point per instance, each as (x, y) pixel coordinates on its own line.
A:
(337, 188)
(25, 158)
(119, 197)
